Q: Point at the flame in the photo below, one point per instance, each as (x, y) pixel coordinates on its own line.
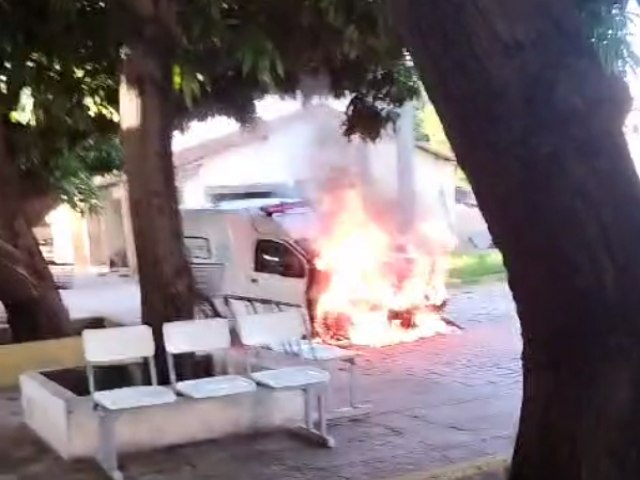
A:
(374, 277)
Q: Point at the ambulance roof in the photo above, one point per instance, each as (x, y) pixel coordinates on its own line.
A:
(268, 215)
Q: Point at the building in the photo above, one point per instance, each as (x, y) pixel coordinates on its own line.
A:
(100, 240)
(292, 154)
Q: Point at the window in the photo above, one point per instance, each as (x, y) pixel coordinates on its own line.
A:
(197, 248)
(278, 259)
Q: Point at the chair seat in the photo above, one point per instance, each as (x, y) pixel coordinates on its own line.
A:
(215, 386)
(291, 377)
(316, 351)
(134, 397)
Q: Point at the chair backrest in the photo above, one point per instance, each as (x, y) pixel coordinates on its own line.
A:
(197, 336)
(117, 344)
(267, 329)
(239, 307)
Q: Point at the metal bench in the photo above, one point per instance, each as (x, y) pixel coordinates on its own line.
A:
(257, 331)
(117, 346)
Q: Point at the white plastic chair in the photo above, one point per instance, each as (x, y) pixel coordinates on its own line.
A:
(120, 345)
(266, 330)
(205, 336)
(292, 334)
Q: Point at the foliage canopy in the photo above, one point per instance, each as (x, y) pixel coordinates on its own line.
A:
(60, 60)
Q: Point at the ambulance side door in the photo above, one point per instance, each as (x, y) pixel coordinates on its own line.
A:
(279, 272)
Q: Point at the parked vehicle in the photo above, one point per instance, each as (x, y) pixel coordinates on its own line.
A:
(262, 249)
(251, 248)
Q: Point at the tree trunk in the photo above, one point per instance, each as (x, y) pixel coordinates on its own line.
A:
(36, 206)
(166, 282)
(536, 125)
(34, 308)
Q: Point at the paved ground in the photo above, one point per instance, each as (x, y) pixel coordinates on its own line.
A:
(110, 296)
(437, 401)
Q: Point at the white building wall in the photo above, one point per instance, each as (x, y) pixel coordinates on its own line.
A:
(60, 221)
(282, 157)
(309, 150)
(434, 180)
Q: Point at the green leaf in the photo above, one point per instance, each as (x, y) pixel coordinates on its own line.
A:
(264, 70)
(279, 66)
(190, 88)
(24, 112)
(247, 61)
(177, 78)
(609, 26)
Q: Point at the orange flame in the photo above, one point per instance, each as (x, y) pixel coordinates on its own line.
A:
(372, 275)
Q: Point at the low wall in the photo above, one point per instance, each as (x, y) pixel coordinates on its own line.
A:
(18, 358)
(15, 359)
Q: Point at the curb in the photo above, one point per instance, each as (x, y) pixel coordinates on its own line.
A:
(460, 471)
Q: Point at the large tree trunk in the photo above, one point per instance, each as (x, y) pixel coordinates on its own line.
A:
(36, 206)
(166, 281)
(536, 125)
(34, 308)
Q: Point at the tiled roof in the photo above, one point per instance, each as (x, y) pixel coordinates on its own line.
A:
(188, 161)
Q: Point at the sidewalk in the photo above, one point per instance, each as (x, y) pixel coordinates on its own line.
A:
(438, 401)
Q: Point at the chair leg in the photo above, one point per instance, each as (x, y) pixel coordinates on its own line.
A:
(312, 430)
(322, 419)
(308, 410)
(352, 383)
(354, 407)
(322, 413)
(330, 397)
(249, 355)
(107, 451)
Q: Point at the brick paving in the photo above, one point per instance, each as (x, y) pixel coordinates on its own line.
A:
(437, 401)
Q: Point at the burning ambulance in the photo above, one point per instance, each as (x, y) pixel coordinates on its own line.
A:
(361, 282)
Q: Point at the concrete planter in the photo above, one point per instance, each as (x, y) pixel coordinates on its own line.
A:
(69, 425)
